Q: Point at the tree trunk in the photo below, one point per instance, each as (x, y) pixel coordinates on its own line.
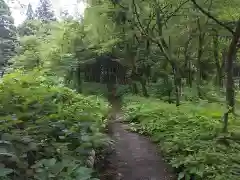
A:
(223, 67)
(188, 62)
(232, 51)
(199, 58)
(143, 82)
(169, 90)
(134, 88)
(78, 80)
(176, 83)
(189, 74)
(216, 58)
(199, 72)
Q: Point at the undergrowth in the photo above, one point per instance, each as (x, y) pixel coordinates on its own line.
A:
(48, 132)
(189, 136)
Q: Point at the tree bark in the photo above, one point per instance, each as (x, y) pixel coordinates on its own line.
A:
(230, 94)
(190, 77)
(216, 58)
(188, 63)
(177, 80)
(143, 82)
(78, 79)
(134, 88)
(199, 58)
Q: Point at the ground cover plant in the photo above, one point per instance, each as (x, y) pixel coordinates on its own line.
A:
(190, 136)
(48, 131)
(182, 52)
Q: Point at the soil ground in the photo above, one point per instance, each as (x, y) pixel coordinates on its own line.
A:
(134, 157)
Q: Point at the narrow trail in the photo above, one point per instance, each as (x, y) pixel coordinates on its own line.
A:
(134, 156)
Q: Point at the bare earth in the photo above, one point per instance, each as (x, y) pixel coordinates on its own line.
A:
(134, 157)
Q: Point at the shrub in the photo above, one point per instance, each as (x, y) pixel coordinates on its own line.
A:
(189, 136)
(47, 131)
(163, 89)
(94, 88)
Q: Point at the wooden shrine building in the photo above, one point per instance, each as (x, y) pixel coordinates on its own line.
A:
(105, 69)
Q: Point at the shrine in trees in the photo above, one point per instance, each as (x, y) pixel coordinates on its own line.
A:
(105, 69)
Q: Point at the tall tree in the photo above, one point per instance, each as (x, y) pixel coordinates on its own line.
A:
(30, 25)
(44, 11)
(7, 35)
(64, 14)
(30, 13)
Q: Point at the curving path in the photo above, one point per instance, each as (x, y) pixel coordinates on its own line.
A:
(134, 156)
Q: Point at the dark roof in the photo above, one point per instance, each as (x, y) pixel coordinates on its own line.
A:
(94, 60)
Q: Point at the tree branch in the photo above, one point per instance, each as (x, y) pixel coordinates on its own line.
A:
(175, 11)
(211, 17)
(146, 34)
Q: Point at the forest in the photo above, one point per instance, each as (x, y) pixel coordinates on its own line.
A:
(173, 65)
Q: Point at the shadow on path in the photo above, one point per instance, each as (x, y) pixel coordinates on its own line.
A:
(134, 156)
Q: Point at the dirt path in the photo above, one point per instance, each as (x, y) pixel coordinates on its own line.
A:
(134, 157)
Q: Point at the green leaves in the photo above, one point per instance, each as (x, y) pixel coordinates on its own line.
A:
(8, 35)
(181, 175)
(46, 126)
(188, 135)
(5, 171)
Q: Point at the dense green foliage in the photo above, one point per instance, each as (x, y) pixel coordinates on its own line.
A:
(189, 136)
(7, 35)
(182, 52)
(47, 131)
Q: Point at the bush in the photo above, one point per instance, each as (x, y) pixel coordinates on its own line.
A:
(123, 90)
(163, 89)
(47, 131)
(94, 88)
(189, 136)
